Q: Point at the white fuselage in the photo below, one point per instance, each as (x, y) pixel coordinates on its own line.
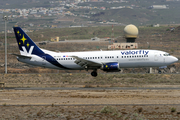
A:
(125, 58)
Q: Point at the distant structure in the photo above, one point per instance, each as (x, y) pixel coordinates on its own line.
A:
(130, 34)
(112, 34)
(158, 7)
(157, 25)
(123, 46)
(54, 39)
(54, 26)
(95, 38)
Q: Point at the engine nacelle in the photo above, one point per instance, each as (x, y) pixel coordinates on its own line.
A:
(111, 67)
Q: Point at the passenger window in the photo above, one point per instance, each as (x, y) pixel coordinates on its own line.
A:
(122, 56)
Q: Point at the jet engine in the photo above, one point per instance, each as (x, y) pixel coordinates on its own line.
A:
(111, 67)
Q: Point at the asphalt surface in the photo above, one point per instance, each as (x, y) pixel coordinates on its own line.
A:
(93, 105)
(94, 88)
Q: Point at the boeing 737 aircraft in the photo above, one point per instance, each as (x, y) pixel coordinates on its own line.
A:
(109, 61)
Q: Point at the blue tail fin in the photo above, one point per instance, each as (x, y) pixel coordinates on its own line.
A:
(26, 45)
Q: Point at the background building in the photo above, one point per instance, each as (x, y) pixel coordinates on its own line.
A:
(130, 34)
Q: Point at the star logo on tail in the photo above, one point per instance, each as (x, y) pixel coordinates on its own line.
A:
(18, 33)
(27, 44)
(23, 39)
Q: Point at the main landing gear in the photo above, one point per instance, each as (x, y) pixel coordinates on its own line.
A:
(94, 73)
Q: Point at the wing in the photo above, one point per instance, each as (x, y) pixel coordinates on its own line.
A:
(87, 64)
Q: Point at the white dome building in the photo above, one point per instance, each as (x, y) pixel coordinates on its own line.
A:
(131, 33)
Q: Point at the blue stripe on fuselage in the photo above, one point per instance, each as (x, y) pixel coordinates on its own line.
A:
(51, 60)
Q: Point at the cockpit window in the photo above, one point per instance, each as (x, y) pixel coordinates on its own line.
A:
(166, 54)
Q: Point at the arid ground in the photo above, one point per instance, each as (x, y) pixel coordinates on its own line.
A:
(107, 97)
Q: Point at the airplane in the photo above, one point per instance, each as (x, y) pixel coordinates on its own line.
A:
(109, 61)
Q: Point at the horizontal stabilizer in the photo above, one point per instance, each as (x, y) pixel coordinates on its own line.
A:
(21, 56)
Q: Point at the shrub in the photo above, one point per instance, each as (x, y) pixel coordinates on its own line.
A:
(108, 109)
(173, 109)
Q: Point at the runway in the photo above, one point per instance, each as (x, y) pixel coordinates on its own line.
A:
(91, 97)
(93, 88)
(91, 105)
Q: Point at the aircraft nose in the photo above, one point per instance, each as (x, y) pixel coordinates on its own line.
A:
(171, 60)
(176, 59)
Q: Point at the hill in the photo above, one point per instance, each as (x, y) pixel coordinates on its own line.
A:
(136, 12)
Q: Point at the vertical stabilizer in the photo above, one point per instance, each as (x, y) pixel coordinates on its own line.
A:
(26, 45)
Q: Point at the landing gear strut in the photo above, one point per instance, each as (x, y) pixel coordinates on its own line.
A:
(94, 73)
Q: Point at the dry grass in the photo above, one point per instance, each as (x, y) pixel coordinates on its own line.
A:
(76, 79)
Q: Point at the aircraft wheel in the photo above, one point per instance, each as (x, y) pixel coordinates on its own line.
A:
(94, 73)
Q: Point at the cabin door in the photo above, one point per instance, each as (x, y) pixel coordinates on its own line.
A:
(156, 57)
